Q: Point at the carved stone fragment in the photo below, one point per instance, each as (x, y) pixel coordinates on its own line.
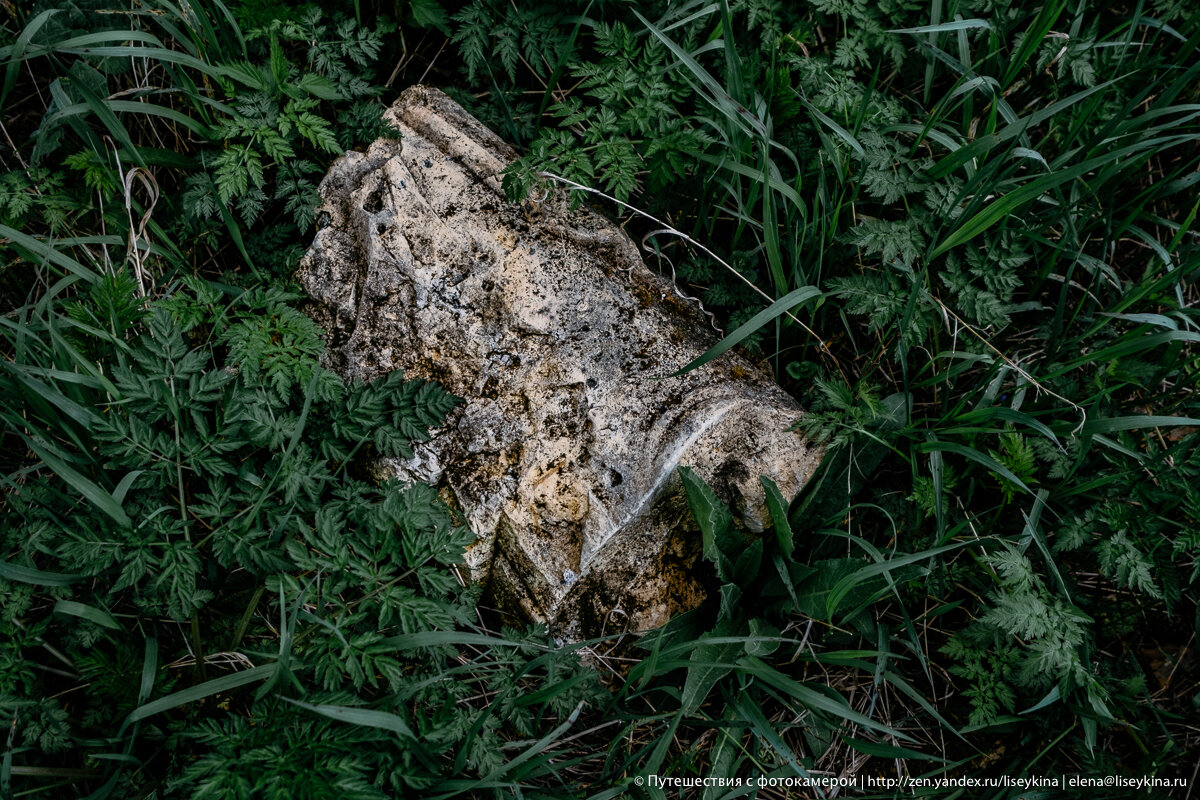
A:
(563, 456)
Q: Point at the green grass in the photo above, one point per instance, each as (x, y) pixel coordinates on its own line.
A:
(962, 235)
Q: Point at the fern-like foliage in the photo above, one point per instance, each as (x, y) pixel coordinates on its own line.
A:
(628, 126)
(243, 463)
(1053, 629)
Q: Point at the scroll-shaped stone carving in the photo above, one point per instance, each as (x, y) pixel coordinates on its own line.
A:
(562, 457)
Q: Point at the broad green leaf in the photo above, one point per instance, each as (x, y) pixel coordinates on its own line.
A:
(363, 717)
(711, 661)
(776, 309)
(976, 456)
(96, 495)
(956, 25)
(192, 694)
(48, 253)
(842, 133)
(89, 613)
(981, 416)
(1138, 422)
(720, 539)
(15, 572)
(413, 641)
(16, 53)
(777, 507)
(811, 698)
(889, 751)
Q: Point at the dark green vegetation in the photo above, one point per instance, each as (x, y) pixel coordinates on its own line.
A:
(981, 215)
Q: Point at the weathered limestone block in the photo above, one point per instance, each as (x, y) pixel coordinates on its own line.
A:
(563, 455)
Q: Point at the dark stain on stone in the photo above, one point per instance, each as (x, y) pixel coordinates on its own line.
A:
(374, 202)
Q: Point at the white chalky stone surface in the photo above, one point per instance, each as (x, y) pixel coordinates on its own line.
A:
(563, 456)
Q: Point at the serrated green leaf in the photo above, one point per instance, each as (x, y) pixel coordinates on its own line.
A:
(720, 540)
